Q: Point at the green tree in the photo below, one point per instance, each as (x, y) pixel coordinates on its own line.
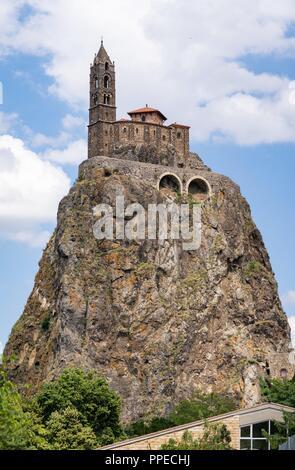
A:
(279, 391)
(66, 430)
(215, 437)
(200, 406)
(89, 394)
(283, 430)
(19, 428)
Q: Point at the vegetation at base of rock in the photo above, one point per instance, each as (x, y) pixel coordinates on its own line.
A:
(279, 391)
(19, 429)
(77, 411)
(67, 429)
(214, 437)
(200, 406)
(86, 392)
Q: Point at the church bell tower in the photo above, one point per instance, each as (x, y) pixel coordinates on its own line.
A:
(102, 109)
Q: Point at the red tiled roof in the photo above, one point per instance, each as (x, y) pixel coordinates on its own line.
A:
(179, 125)
(147, 110)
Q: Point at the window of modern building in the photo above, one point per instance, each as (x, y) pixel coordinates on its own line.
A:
(252, 436)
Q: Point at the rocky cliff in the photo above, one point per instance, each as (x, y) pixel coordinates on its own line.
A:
(158, 321)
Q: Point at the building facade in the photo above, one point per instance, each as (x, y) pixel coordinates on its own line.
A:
(146, 125)
(246, 427)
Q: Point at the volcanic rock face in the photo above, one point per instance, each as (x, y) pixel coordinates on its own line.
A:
(158, 321)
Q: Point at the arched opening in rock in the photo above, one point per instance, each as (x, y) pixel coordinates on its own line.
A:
(283, 373)
(198, 189)
(170, 184)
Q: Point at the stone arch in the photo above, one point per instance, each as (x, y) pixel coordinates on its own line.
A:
(171, 182)
(199, 188)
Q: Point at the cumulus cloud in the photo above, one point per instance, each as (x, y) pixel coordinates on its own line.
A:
(289, 298)
(188, 57)
(73, 154)
(30, 190)
(63, 148)
(7, 121)
(71, 122)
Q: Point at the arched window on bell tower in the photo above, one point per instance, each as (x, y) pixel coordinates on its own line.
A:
(106, 81)
(106, 66)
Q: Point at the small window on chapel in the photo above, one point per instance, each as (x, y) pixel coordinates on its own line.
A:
(164, 137)
(179, 135)
(143, 118)
(136, 131)
(124, 130)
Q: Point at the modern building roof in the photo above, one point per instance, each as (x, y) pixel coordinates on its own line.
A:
(147, 109)
(253, 414)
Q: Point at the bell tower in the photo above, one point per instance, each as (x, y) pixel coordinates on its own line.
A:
(102, 109)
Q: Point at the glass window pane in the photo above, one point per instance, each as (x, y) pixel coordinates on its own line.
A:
(260, 444)
(273, 428)
(245, 444)
(245, 431)
(258, 427)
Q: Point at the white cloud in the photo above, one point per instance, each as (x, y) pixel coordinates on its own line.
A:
(70, 122)
(7, 121)
(73, 154)
(40, 140)
(289, 298)
(31, 237)
(30, 190)
(292, 325)
(62, 148)
(185, 56)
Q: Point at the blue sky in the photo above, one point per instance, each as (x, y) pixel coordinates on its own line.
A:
(235, 90)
